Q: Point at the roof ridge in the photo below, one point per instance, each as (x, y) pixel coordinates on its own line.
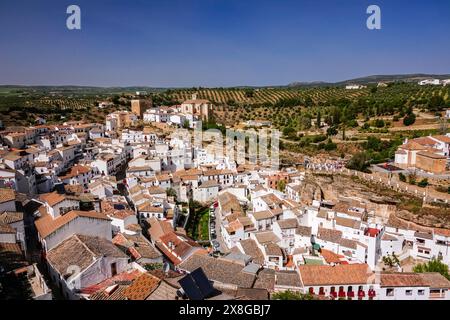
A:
(82, 242)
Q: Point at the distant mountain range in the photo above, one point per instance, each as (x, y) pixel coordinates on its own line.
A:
(363, 80)
(374, 79)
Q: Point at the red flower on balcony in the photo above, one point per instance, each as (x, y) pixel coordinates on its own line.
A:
(350, 294)
(361, 294)
(333, 294)
(341, 294)
(372, 293)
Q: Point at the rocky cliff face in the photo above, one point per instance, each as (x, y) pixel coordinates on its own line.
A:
(331, 187)
(336, 187)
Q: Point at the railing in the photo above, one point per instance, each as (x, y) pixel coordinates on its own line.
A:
(437, 295)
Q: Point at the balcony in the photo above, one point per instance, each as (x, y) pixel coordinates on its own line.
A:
(437, 295)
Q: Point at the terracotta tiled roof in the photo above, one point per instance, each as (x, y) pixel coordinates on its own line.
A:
(303, 231)
(7, 195)
(147, 207)
(52, 198)
(349, 223)
(114, 292)
(431, 155)
(142, 287)
(288, 223)
(329, 235)
(265, 279)
(405, 279)
(316, 275)
(96, 290)
(329, 256)
(156, 190)
(165, 291)
(46, 225)
(273, 249)
(81, 251)
(6, 228)
(181, 246)
(137, 246)
(435, 280)
(444, 139)
(75, 171)
(425, 141)
(251, 248)
(220, 270)
(287, 278)
(262, 215)
(209, 184)
(229, 203)
(120, 214)
(158, 228)
(11, 256)
(11, 217)
(266, 236)
(412, 146)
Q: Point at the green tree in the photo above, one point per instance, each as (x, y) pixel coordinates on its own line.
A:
(318, 119)
(249, 93)
(379, 123)
(186, 124)
(291, 295)
(409, 119)
(391, 260)
(359, 162)
(423, 183)
(434, 265)
(332, 131)
(170, 192)
(153, 266)
(281, 185)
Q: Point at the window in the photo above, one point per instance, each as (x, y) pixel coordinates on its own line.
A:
(389, 292)
(408, 292)
(421, 292)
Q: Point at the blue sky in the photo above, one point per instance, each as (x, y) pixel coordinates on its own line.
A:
(218, 42)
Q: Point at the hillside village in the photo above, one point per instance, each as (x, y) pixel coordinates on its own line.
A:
(105, 211)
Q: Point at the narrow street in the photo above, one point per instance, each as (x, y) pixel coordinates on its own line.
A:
(222, 248)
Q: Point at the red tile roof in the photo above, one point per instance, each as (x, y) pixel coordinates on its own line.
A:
(315, 275)
(46, 225)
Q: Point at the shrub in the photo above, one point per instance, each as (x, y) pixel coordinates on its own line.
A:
(409, 119)
(423, 183)
(291, 295)
(359, 162)
(332, 131)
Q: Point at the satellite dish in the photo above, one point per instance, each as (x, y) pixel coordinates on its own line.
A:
(166, 267)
